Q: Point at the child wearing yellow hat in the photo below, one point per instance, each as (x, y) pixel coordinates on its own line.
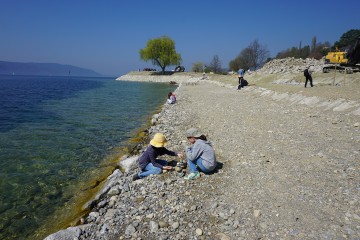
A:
(148, 162)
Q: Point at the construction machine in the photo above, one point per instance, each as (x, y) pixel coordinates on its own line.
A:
(344, 61)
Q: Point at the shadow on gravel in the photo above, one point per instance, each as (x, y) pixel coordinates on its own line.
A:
(218, 166)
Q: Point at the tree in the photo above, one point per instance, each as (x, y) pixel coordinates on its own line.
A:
(215, 64)
(198, 67)
(161, 51)
(252, 57)
(241, 61)
(313, 44)
(348, 39)
(259, 54)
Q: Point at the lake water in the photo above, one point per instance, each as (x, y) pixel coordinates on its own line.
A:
(59, 137)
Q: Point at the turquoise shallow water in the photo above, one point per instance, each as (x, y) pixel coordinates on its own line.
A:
(57, 135)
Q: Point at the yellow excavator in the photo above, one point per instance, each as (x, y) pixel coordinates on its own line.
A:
(344, 61)
(336, 57)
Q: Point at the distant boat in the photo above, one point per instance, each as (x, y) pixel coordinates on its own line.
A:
(13, 73)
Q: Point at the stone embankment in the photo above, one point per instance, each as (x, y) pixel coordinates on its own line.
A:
(288, 169)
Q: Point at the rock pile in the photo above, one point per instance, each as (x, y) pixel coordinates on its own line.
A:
(292, 65)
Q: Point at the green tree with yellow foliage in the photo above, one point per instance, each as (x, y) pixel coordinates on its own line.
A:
(161, 51)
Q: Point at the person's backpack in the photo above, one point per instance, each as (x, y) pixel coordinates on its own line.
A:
(306, 72)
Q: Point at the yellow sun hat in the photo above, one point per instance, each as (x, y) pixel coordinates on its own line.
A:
(158, 140)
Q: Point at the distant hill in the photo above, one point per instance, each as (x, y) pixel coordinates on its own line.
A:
(45, 69)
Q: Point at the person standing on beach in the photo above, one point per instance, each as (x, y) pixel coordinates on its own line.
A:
(307, 74)
(200, 156)
(241, 73)
(148, 162)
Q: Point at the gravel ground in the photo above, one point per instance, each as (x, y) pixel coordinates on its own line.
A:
(288, 169)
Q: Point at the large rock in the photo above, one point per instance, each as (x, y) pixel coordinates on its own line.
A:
(129, 163)
(67, 234)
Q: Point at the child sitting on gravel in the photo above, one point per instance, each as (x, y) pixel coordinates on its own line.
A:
(200, 155)
(148, 163)
(171, 98)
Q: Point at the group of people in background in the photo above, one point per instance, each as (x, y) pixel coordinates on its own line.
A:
(243, 82)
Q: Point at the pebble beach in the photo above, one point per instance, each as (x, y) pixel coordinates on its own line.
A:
(289, 161)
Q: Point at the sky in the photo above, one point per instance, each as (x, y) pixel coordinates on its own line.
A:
(106, 36)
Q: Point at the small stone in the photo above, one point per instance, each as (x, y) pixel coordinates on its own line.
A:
(215, 205)
(175, 225)
(221, 236)
(199, 232)
(113, 191)
(256, 213)
(356, 124)
(193, 208)
(163, 224)
(154, 226)
(130, 230)
(232, 211)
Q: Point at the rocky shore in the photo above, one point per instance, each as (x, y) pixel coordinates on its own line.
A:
(289, 163)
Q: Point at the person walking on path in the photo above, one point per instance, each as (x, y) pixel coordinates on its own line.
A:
(148, 162)
(200, 156)
(307, 74)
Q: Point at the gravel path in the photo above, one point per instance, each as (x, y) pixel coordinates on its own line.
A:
(288, 170)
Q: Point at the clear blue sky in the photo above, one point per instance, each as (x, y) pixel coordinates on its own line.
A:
(106, 36)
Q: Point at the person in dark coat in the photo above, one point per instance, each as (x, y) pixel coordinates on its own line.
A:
(148, 162)
(307, 74)
(242, 83)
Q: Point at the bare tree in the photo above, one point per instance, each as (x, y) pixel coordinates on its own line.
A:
(257, 54)
(254, 56)
(215, 64)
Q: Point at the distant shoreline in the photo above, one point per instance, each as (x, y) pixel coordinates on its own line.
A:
(151, 77)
